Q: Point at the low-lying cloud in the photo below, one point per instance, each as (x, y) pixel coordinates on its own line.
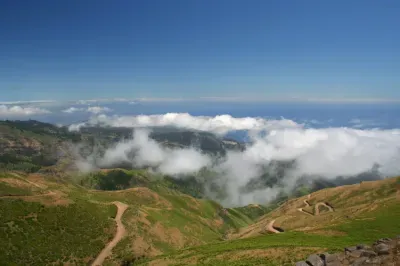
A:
(90, 109)
(326, 152)
(20, 111)
(220, 124)
(141, 151)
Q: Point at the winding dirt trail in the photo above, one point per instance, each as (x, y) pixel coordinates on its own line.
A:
(322, 204)
(121, 231)
(270, 227)
(316, 207)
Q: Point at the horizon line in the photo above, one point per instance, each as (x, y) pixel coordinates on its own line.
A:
(213, 99)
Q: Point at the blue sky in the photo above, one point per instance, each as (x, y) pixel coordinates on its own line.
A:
(68, 50)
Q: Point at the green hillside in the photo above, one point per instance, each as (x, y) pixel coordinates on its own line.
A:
(52, 214)
(58, 222)
(362, 215)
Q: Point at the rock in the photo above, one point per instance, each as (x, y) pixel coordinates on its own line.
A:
(334, 263)
(359, 261)
(374, 261)
(301, 263)
(382, 249)
(368, 253)
(341, 256)
(363, 246)
(383, 240)
(350, 249)
(330, 258)
(355, 253)
(315, 260)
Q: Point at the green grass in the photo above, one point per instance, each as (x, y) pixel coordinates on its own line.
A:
(6, 190)
(365, 229)
(33, 234)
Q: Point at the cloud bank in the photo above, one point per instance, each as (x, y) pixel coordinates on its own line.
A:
(20, 111)
(324, 152)
(220, 124)
(90, 109)
(142, 151)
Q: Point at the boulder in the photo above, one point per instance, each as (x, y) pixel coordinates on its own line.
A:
(384, 252)
(355, 253)
(315, 260)
(334, 263)
(382, 249)
(350, 249)
(368, 253)
(359, 262)
(383, 240)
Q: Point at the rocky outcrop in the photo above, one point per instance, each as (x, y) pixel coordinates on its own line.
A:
(385, 251)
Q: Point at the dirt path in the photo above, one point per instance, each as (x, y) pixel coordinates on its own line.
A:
(270, 227)
(118, 235)
(303, 211)
(316, 208)
(322, 204)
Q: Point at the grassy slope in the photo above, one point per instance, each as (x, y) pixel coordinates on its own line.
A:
(38, 228)
(38, 216)
(362, 214)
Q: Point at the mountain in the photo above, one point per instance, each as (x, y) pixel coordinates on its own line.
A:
(324, 221)
(45, 222)
(50, 213)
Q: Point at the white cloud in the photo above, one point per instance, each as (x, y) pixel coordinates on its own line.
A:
(18, 111)
(148, 152)
(90, 109)
(98, 109)
(328, 152)
(220, 124)
(73, 110)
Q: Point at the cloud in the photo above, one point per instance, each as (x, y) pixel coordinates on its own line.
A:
(220, 124)
(98, 109)
(90, 109)
(323, 152)
(73, 110)
(149, 153)
(18, 111)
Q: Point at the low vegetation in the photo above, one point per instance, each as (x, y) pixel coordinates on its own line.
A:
(34, 234)
(364, 226)
(56, 217)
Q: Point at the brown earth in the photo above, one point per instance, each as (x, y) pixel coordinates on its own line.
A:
(118, 235)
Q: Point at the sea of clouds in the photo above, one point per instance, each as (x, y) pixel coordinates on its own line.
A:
(327, 152)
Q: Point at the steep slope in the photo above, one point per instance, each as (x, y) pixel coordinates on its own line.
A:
(39, 215)
(361, 213)
(327, 207)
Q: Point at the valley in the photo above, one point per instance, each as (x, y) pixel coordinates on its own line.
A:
(52, 213)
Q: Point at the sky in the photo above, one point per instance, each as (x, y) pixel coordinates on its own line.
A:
(70, 50)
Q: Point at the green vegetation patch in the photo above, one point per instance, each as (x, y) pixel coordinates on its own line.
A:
(32, 234)
(367, 228)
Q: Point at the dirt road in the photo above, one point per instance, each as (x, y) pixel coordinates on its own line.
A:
(270, 227)
(118, 235)
(316, 207)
